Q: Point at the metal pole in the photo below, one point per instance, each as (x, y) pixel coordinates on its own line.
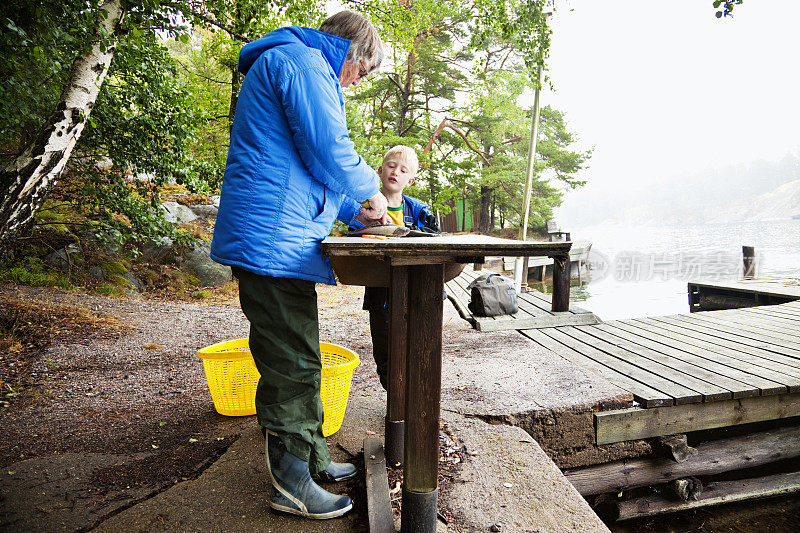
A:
(526, 205)
(523, 231)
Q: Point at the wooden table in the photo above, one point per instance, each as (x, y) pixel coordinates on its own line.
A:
(415, 269)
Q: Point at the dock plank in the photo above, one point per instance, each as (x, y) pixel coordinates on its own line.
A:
(753, 328)
(730, 344)
(753, 384)
(778, 311)
(676, 373)
(644, 394)
(773, 382)
(678, 392)
(631, 424)
(732, 338)
(767, 322)
(534, 310)
(721, 387)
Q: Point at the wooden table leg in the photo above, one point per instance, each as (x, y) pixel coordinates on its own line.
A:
(561, 283)
(396, 397)
(423, 395)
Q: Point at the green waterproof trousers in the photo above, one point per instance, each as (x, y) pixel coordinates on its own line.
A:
(284, 341)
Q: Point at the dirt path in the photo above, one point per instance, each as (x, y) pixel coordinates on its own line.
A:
(113, 416)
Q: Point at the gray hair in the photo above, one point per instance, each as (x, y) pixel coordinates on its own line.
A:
(365, 44)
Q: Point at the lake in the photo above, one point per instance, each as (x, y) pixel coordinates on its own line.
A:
(643, 270)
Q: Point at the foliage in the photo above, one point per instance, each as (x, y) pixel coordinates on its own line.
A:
(451, 90)
(38, 44)
(140, 124)
(725, 7)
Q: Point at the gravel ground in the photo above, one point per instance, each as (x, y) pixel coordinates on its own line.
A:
(111, 416)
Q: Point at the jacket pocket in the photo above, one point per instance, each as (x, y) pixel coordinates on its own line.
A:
(323, 205)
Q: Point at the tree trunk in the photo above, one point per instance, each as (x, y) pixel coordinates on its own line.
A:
(236, 77)
(491, 223)
(235, 84)
(486, 202)
(405, 96)
(26, 181)
(464, 212)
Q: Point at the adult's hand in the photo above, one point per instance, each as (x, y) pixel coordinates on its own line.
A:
(377, 209)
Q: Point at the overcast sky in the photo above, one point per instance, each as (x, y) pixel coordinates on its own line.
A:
(665, 89)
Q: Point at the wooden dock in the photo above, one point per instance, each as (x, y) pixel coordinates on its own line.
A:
(690, 372)
(712, 296)
(534, 309)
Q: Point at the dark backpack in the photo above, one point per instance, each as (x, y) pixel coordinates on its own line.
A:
(492, 295)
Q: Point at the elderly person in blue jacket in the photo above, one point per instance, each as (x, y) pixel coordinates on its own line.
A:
(291, 171)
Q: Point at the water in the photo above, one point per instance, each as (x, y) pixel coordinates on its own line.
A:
(643, 270)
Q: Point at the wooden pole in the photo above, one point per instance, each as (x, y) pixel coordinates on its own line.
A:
(424, 384)
(561, 283)
(712, 457)
(748, 262)
(398, 338)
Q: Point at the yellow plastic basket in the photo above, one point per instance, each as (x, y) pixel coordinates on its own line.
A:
(232, 379)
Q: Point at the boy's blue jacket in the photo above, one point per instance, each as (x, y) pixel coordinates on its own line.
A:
(291, 169)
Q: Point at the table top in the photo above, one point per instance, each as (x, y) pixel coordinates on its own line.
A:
(444, 245)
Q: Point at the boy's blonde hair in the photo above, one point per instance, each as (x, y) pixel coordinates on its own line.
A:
(406, 153)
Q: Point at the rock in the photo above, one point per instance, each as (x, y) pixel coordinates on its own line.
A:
(135, 282)
(100, 237)
(215, 200)
(97, 272)
(156, 249)
(209, 272)
(66, 257)
(175, 212)
(204, 211)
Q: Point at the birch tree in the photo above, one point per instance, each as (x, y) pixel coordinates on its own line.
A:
(26, 180)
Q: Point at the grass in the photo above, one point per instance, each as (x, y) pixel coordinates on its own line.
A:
(31, 271)
(202, 294)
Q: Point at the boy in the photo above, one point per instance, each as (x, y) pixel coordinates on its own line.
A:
(399, 167)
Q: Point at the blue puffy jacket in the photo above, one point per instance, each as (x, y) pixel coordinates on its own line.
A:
(291, 169)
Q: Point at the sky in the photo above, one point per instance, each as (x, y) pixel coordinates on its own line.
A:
(665, 89)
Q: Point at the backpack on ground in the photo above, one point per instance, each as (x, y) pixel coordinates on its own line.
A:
(492, 295)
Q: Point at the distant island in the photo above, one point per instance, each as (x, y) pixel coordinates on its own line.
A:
(756, 191)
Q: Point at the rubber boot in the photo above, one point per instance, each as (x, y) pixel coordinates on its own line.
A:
(335, 472)
(293, 490)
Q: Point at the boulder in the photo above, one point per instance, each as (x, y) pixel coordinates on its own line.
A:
(97, 272)
(205, 211)
(209, 272)
(66, 257)
(175, 212)
(156, 249)
(135, 283)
